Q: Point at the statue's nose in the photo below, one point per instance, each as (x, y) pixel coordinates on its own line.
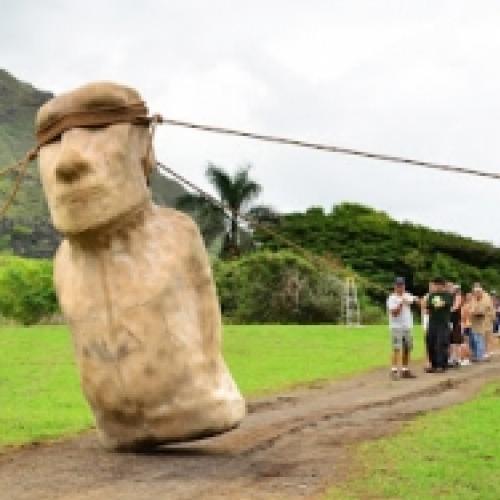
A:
(72, 166)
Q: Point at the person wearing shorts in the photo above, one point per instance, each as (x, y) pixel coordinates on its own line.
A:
(401, 325)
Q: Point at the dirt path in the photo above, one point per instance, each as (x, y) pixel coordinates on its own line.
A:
(291, 446)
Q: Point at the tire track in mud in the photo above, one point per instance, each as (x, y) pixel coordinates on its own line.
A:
(313, 420)
(290, 446)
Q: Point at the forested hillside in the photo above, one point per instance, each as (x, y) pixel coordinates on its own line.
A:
(27, 230)
(378, 247)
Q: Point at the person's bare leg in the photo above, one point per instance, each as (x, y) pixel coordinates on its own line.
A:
(406, 372)
(464, 354)
(396, 358)
(396, 363)
(406, 358)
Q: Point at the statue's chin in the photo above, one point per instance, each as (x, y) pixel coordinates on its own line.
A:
(70, 224)
(84, 219)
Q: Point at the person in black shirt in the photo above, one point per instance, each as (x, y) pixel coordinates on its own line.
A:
(439, 305)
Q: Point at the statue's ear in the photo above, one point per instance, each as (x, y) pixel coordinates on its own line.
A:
(146, 167)
(148, 161)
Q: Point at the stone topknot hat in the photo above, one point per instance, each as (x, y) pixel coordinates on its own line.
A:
(94, 104)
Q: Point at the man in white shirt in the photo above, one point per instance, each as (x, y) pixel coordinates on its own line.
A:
(401, 324)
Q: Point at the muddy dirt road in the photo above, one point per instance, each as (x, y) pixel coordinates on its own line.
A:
(291, 446)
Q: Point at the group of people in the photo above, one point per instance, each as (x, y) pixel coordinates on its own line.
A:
(460, 328)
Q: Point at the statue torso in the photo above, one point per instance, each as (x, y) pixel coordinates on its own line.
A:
(143, 313)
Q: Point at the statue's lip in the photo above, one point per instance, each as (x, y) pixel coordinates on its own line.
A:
(79, 194)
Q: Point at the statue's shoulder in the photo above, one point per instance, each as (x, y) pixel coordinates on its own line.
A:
(176, 220)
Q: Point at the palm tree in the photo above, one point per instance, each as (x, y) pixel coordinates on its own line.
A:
(236, 192)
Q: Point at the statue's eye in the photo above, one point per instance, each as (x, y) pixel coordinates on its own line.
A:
(55, 139)
(95, 128)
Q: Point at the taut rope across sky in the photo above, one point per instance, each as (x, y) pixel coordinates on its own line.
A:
(21, 166)
(330, 148)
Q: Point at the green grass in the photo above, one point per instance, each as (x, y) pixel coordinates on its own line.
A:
(266, 358)
(40, 396)
(450, 454)
(39, 389)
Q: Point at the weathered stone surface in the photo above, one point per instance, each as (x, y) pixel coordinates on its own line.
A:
(135, 285)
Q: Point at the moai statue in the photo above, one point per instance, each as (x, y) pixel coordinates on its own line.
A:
(133, 279)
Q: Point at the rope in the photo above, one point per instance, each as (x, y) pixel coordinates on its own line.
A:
(10, 168)
(251, 221)
(333, 149)
(309, 256)
(103, 116)
(137, 113)
(21, 167)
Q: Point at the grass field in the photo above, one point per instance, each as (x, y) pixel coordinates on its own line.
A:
(39, 389)
(451, 454)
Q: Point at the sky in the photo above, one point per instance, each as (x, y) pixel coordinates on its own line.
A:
(416, 78)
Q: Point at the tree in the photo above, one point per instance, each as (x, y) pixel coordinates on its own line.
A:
(235, 192)
(210, 218)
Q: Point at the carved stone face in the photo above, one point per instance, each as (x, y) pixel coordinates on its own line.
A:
(92, 176)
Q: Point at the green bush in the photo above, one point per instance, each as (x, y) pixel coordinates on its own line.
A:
(261, 287)
(277, 287)
(26, 290)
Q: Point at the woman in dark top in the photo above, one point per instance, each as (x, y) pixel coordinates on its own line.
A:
(456, 338)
